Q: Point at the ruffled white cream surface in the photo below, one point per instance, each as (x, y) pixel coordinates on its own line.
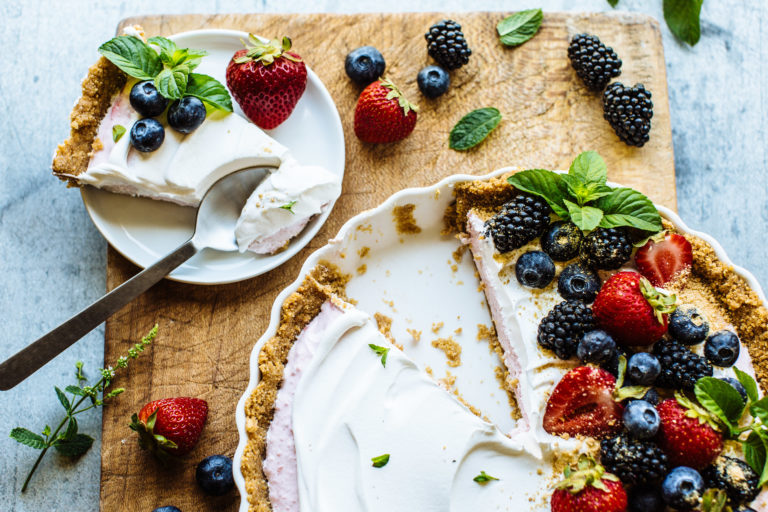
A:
(185, 166)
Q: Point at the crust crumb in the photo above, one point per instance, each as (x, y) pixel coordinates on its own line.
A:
(416, 335)
(451, 349)
(405, 223)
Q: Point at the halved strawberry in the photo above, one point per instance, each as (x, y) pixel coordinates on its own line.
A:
(662, 260)
(582, 404)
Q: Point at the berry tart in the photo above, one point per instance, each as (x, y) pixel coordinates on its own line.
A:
(146, 124)
(632, 352)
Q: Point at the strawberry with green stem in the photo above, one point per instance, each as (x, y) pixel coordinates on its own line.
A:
(383, 114)
(589, 489)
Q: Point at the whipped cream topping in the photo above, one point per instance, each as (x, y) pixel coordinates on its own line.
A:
(185, 166)
(282, 205)
(346, 408)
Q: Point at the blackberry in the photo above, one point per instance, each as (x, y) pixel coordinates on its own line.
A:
(563, 327)
(629, 111)
(680, 368)
(606, 248)
(446, 44)
(594, 62)
(633, 461)
(520, 220)
(734, 476)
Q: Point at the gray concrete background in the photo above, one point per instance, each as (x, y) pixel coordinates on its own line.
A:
(52, 259)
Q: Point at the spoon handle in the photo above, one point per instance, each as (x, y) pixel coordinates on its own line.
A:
(30, 359)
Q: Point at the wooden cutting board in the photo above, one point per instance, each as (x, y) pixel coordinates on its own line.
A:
(206, 332)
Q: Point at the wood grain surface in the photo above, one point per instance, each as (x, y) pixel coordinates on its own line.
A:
(207, 332)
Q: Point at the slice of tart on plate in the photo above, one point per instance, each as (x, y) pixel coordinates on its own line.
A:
(132, 133)
(347, 410)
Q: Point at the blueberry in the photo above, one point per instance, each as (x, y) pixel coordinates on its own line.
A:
(641, 419)
(688, 325)
(683, 488)
(596, 347)
(578, 282)
(562, 240)
(186, 114)
(146, 100)
(643, 368)
(433, 81)
(652, 397)
(645, 498)
(364, 65)
(737, 385)
(147, 135)
(534, 269)
(722, 348)
(214, 475)
(167, 508)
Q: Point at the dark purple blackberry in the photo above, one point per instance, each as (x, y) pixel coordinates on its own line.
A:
(632, 460)
(734, 476)
(606, 248)
(629, 111)
(594, 62)
(680, 368)
(446, 44)
(520, 220)
(563, 327)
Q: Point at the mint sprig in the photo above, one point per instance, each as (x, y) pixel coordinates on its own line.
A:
(380, 461)
(473, 128)
(583, 197)
(483, 478)
(70, 442)
(381, 352)
(728, 409)
(170, 68)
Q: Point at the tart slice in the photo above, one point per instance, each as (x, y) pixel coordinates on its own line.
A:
(102, 151)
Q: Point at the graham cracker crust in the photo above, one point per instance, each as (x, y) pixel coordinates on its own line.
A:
(323, 282)
(103, 82)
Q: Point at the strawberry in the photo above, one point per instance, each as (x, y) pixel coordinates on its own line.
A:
(589, 489)
(662, 259)
(383, 114)
(582, 404)
(171, 425)
(632, 310)
(267, 80)
(686, 433)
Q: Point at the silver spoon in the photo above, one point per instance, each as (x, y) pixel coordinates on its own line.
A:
(217, 214)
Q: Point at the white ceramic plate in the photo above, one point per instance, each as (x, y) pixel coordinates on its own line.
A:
(413, 280)
(144, 230)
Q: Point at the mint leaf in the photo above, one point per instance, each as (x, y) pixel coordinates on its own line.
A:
(473, 128)
(721, 399)
(166, 45)
(586, 218)
(118, 131)
(520, 27)
(484, 478)
(189, 56)
(380, 461)
(749, 384)
(627, 207)
(682, 17)
(754, 451)
(71, 430)
(546, 184)
(589, 167)
(210, 91)
(133, 56)
(613, 3)
(28, 438)
(63, 399)
(585, 192)
(380, 351)
(289, 206)
(172, 83)
(759, 409)
(74, 447)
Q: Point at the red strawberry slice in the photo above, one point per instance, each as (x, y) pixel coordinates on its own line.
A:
(582, 404)
(661, 261)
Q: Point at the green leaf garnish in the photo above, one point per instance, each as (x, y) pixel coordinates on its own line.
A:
(722, 400)
(118, 131)
(210, 91)
(74, 447)
(613, 3)
(520, 27)
(583, 197)
(133, 56)
(380, 351)
(749, 384)
(288, 206)
(683, 19)
(380, 461)
(28, 438)
(473, 128)
(172, 82)
(483, 478)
